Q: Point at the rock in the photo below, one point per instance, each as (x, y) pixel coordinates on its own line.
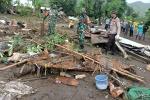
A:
(64, 74)
(148, 67)
(80, 76)
(115, 91)
(67, 81)
(4, 46)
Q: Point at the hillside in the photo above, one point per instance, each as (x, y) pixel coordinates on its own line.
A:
(140, 7)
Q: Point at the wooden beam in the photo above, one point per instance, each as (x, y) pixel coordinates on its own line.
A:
(13, 65)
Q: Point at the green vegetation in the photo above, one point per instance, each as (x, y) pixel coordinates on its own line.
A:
(94, 8)
(54, 39)
(15, 42)
(34, 48)
(4, 5)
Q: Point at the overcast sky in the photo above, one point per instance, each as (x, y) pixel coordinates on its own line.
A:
(145, 1)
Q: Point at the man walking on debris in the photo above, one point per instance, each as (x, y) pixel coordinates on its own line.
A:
(81, 29)
(113, 32)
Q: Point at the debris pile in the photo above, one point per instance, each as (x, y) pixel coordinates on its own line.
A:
(14, 90)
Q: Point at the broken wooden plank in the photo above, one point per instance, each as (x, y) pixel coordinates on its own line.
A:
(13, 65)
(67, 81)
(130, 76)
(143, 59)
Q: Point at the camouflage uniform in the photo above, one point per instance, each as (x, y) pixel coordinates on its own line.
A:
(81, 30)
(52, 21)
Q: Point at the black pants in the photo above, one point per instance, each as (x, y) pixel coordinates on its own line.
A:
(111, 43)
(107, 26)
(131, 33)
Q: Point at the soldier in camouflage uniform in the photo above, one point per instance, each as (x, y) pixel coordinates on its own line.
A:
(52, 20)
(81, 28)
(81, 32)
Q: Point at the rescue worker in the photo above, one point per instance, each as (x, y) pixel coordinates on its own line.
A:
(81, 32)
(113, 32)
(52, 20)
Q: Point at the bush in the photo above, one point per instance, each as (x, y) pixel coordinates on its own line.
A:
(24, 11)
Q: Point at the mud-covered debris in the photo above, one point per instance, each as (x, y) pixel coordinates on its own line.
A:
(14, 89)
(17, 57)
(67, 81)
(80, 76)
(64, 74)
(115, 91)
(148, 67)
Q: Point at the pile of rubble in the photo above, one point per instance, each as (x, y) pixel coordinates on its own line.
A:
(63, 58)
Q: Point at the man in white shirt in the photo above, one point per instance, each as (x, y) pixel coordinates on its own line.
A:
(113, 32)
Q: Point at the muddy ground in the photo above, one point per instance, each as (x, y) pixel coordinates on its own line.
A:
(47, 89)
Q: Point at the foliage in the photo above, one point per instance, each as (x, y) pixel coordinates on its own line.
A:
(54, 39)
(67, 5)
(14, 43)
(33, 48)
(78, 7)
(147, 21)
(24, 10)
(129, 11)
(4, 5)
(98, 8)
(148, 16)
(93, 7)
(36, 3)
(118, 5)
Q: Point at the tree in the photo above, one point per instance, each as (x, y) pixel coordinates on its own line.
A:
(67, 5)
(98, 8)
(147, 15)
(119, 5)
(4, 5)
(129, 11)
(37, 4)
(78, 7)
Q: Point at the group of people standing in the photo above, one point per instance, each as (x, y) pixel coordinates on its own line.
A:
(131, 29)
(134, 29)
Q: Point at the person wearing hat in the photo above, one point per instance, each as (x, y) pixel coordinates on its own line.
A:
(82, 28)
(113, 32)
